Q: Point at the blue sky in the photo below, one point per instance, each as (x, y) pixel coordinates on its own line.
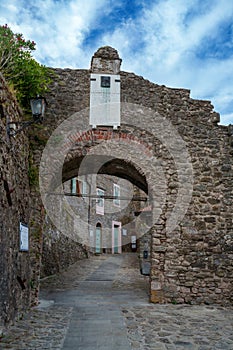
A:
(177, 43)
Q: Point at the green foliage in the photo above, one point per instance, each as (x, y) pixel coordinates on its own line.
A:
(20, 69)
(33, 176)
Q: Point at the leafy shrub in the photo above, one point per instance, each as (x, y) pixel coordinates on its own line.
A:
(28, 77)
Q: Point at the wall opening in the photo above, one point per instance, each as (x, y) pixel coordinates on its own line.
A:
(98, 239)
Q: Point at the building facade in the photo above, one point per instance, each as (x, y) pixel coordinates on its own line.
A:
(112, 204)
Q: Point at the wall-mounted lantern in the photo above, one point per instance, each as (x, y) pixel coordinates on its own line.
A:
(38, 108)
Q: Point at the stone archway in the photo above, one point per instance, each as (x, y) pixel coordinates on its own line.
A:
(87, 154)
(183, 155)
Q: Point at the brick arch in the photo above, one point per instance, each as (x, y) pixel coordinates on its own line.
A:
(80, 144)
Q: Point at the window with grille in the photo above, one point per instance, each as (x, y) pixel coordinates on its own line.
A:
(116, 195)
(100, 201)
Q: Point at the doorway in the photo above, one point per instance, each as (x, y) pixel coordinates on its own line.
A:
(98, 238)
(116, 237)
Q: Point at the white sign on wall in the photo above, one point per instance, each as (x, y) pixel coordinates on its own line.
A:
(124, 232)
(23, 237)
(105, 100)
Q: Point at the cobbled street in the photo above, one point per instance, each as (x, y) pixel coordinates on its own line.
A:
(102, 303)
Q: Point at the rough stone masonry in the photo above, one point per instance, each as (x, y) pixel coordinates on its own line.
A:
(193, 263)
(15, 271)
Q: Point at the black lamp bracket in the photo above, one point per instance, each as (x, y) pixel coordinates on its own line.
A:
(38, 108)
(22, 125)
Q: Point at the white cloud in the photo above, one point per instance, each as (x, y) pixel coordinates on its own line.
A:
(58, 28)
(169, 54)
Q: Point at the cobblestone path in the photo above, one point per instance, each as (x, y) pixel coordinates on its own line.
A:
(102, 303)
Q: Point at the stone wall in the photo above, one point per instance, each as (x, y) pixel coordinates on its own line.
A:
(15, 270)
(59, 251)
(21, 203)
(193, 263)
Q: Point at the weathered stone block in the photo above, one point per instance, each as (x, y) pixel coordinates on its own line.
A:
(159, 249)
(156, 296)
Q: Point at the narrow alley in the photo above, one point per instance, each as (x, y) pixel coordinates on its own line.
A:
(102, 304)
